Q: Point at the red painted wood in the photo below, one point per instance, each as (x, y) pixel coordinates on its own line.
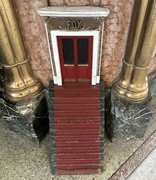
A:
(71, 100)
(77, 171)
(78, 161)
(78, 87)
(88, 119)
(75, 155)
(77, 94)
(77, 71)
(79, 143)
(69, 120)
(74, 126)
(84, 72)
(67, 71)
(78, 113)
(78, 166)
(84, 137)
(76, 107)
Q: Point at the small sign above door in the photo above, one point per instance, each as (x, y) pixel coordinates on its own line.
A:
(74, 24)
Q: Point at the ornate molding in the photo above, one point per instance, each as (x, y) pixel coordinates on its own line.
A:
(84, 28)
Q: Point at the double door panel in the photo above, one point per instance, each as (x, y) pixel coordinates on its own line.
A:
(75, 53)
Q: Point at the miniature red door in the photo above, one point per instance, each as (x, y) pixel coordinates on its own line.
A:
(75, 54)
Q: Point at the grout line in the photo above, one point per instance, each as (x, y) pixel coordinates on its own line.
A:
(135, 159)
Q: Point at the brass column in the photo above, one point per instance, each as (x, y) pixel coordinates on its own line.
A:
(132, 82)
(20, 81)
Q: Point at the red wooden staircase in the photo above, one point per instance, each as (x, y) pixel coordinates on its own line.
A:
(77, 129)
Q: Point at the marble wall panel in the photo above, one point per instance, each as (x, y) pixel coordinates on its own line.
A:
(73, 2)
(116, 31)
(33, 31)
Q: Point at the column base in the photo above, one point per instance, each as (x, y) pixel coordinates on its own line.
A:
(127, 120)
(28, 119)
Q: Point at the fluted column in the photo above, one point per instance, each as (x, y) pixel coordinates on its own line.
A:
(20, 81)
(132, 82)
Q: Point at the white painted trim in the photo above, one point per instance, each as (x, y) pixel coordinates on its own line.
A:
(95, 55)
(95, 34)
(56, 58)
(101, 48)
(97, 79)
(74, 11)
(51, 62)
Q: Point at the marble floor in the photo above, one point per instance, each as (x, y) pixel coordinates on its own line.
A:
(21, 159)
(147, 168)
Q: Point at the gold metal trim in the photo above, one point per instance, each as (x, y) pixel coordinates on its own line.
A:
(83, 80)
(141, 68)
(131, 65)
(70, 80)
(82, 64)
(20, 82)
(132, 82)
(71, 65)
(14, 65)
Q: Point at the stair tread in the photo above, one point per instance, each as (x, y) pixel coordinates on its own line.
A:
(75, 112)
(76, 86)
(77, 171)
(76, 107)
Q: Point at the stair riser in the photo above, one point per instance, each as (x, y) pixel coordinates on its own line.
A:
(78, 119)
(78, 128)
(77, 89)
(83, 161)
(76, 107)
(77, 125)
(78, 171)
(83, 142)
(74, 155)
(76, 101)
(78, 138)
(76, 94)
(83, 150)
(66, 145)
(76, 114)
(73, 166)
(85, 122)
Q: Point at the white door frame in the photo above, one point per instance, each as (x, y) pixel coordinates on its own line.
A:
(57, 77)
